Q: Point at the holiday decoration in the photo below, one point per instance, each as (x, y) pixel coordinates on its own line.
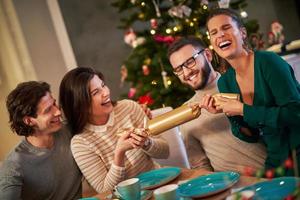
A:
(244, 14)
(146, 99)
(124, 74)
(275, 36)
(131, 92)
(156, 6)
(180, 11)
(164, 39)
(165, 79)
(224, 3)
(129, 37)
(146, 70)
(256, 41)
(138, 41)
(150, 27)
(153, 23)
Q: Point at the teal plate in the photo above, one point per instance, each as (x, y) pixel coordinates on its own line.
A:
(207, 185)
(158, 177)
(275, 189)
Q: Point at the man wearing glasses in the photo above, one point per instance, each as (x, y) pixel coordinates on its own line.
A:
(208, 139)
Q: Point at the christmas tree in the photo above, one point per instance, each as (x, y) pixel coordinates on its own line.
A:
(150, 26)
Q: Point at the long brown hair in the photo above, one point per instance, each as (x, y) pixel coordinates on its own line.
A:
(75, 98)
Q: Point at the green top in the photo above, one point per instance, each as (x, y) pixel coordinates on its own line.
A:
(275, 113)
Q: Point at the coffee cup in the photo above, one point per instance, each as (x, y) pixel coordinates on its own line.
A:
(129, 189)
(166, 192)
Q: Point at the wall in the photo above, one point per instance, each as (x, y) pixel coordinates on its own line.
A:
(96, 41)
(268, 11)
(34, 46)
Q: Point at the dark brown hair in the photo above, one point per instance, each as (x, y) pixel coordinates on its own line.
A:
(23, 101)
(228, 12)
(75, 98)
(183, 41)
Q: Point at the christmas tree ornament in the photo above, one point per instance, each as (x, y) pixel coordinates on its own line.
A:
(259, 173)
(141, 16)
(131, 93)
(124, 74)
(152, 31)
(180, 11)
(154, 23)
(270, 173)
(249, 171)
(129, 37)
(279, 171)
(146, 99)
(146, 70)
(288, 163)
(164, 39)
(168, 30)
(156, 7)
(224, 3)
(138, 41)
(147, 61)
(165, 79)
(243, 14)
(154, 82)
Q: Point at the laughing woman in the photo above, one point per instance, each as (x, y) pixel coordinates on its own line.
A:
(270, 95)
(105, 158)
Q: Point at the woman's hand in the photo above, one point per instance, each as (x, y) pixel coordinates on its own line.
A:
(208, 103)
(130, 139)
(124, 142)
(229, 106)
(138, 137)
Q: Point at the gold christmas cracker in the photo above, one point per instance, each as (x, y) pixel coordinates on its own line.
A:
(173, 118)
(177, 116)
(225, 95)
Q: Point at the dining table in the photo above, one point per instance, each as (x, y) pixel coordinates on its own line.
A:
(188, 174)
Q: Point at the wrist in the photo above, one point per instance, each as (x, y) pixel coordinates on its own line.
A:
(147, 144)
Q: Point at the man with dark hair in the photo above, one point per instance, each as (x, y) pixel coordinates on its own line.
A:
(41, 166)
(208, 139)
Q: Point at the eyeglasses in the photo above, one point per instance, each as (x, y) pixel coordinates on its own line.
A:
(189, 64)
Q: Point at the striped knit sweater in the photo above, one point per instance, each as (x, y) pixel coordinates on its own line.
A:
(93, 149)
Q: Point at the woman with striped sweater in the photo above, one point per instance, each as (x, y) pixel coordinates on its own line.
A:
(103, 157)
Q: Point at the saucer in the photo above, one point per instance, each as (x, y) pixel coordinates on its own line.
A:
(145, 195)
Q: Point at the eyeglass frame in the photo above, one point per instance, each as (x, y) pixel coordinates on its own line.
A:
(184, 64)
